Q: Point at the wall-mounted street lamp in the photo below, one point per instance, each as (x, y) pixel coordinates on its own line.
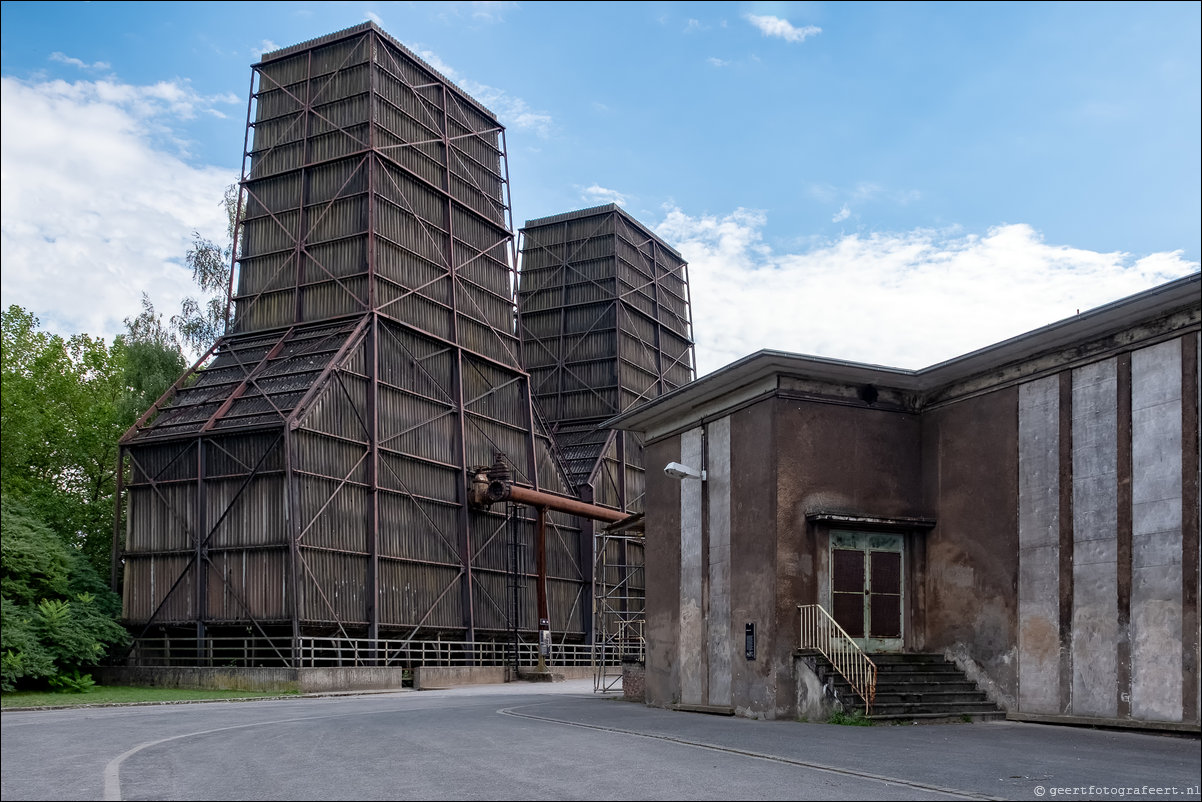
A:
(678, 471)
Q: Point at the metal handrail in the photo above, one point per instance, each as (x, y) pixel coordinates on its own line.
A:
(314, 652)
(821, 632)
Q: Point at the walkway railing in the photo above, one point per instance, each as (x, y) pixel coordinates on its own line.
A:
(820, 632)
(351, 652)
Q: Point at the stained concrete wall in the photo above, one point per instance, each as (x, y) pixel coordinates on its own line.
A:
(1156, 533)
(719, 640)
(662, 570)
(710, 567)
(759, 581)
(1039, 546)
(1095, 539)
(693, 648)
(1108, 530)
(970, 455)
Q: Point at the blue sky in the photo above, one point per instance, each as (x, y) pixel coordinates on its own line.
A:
(894, 183)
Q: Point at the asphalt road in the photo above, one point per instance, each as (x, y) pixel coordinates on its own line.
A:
(558, 741)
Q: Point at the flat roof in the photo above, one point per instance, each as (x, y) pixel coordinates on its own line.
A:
(748, 377)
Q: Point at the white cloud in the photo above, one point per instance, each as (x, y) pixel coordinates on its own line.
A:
(74, 62)
(598, 194)
(841, 215)
(717, 62)
(513, 112)
(907, 300)
(491, 10)
(267, 46)
(374, 17)
(95, 210)
(782, 28)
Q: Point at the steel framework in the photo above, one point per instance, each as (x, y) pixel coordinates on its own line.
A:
(308, 476)
(605, 322)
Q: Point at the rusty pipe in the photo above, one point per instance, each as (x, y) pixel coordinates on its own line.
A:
(503, 491)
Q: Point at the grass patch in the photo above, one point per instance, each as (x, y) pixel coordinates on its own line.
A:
(855, 718)
(124, 694)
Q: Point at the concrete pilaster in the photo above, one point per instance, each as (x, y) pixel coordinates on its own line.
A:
(1156, 614)
(1039, 546)
(1095, 540)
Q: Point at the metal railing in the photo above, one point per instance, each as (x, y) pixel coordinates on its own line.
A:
(312, 652)
(820, 632)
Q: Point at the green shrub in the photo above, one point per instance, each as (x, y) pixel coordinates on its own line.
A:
(74, 682)
(855, 718)
(58, 618)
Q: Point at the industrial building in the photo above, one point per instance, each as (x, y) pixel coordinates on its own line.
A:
(304, 495)
(603, 313)
(1028, 512)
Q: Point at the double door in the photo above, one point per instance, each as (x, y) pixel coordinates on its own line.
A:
(867, 591)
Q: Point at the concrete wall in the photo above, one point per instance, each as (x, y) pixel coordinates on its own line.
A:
(283, 680)
(662, 571)
(855, 459)
(1108, 532)
(710, 566)
(1039, 546)
(834, 456)
(971, 578)
(1155, 639)
(762, 569)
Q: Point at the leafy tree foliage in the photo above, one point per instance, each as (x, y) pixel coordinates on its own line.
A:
(64, 404)
(58, 619)
(60, 427)
(201, 321)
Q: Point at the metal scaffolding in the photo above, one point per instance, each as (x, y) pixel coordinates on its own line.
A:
(619, 606)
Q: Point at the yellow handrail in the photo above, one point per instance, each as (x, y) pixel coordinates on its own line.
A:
(819, 631)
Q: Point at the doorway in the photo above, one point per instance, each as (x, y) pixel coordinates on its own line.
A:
(867, 591)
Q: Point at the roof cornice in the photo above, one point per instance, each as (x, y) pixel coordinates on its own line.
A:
(723, 388)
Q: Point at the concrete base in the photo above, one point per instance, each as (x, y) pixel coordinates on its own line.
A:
(282, 680)
(327, 680)
(814, 703)
(714, 710)
(1117, 723)
(426, 678)
(634, 681)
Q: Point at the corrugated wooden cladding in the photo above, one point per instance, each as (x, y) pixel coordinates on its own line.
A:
(603, 312)
(310, 478)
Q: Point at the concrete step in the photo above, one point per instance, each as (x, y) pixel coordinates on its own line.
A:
(917, 685)
(937, 718)
(920, 687)
(934, 696)
(930, 707)
(892, 658)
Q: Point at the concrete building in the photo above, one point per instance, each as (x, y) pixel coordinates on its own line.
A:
(1029, 510)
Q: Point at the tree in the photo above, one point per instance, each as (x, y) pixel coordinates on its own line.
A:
(64, 404)
(201, 322)
(58, 619)
(153, 361)
(60, 424)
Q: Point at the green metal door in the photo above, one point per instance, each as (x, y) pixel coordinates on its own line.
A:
(867, 593)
